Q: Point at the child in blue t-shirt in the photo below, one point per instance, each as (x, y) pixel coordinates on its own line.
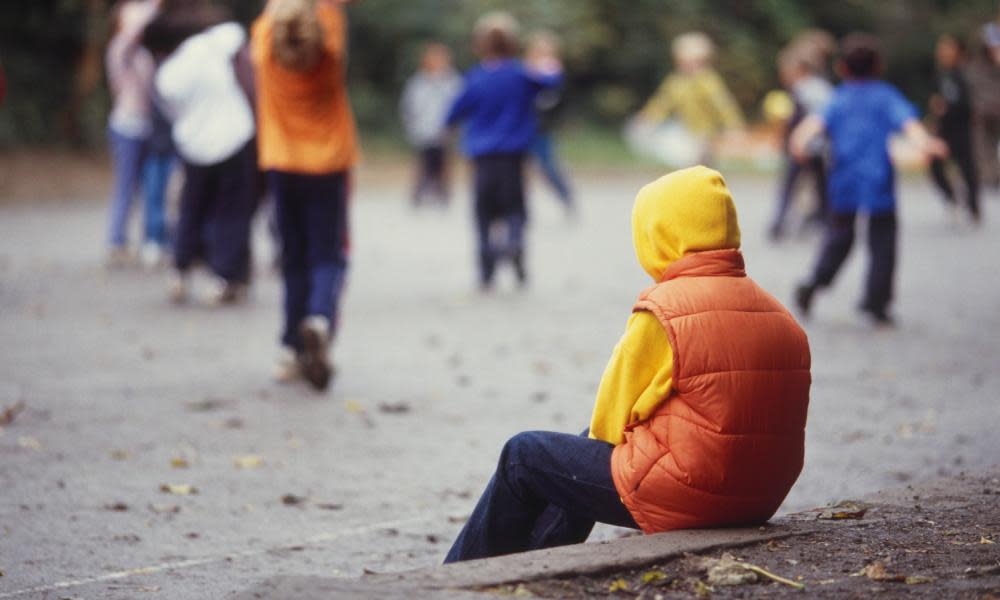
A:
(497, 104)
(859, 119)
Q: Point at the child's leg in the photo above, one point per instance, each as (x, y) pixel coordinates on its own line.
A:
(939, 176)
(485, 194)
(155, 175)
(326, 227)
(548, 489)
(822, 208)
(126, 154)
(882, 246)
(194, 205)
(791, 175)
(963, 156)
(232, 210)
(836, 246)
(435, 171)
(543, 150)
(290, 219)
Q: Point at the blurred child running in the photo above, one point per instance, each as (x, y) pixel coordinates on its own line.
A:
(497, 105)
(543, 47)
(951, 106)
(424, 106)
(695, 94)
(862, 115)
(700, 417)
(213, 133)
(801, 74)
(307, 148)
(130, 70)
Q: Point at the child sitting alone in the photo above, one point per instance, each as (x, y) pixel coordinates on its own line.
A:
(700, 416)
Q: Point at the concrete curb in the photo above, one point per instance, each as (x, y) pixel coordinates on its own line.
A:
(461, 581)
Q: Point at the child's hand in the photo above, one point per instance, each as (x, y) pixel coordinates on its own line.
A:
(936, 148)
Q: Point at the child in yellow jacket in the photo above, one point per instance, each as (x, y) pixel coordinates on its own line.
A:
(550, 488)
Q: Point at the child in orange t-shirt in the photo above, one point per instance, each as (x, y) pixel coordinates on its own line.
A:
(307, 146)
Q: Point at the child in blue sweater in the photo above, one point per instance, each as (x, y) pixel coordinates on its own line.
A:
(497, 106)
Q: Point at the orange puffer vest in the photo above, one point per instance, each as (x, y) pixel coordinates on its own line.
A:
(728, 443)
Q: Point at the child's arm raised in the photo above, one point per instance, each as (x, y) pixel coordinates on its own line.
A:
(918, 135)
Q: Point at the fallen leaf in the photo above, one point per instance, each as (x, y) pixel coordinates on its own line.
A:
(876, 571)
(394, 408)
(844, 510)
(522, 592)
(292, 500)
(207, 405)
(10, 413)
(727, 571)
(179, 462)
(985, 540)
(31, 443)
(248, 461)
(116, 507)
(192, 535)
(618, 585)
(353, 406)
(652, 577)
(149, 588)
(179, 489)
(918, 579)
(120, 454)
(701, 589)
(431, 538)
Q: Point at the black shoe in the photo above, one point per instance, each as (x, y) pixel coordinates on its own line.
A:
(879, 316)
(803, 298)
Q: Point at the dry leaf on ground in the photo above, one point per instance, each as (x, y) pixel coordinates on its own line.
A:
(178, 489)
(618, 585)
(179, 462)
(248, 461)
(844, 510)
(10, 413)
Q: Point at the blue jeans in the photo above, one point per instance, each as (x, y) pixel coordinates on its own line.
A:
(155, 175)
(543, 151)
(311, 212)
(548, 490)
(126, 155)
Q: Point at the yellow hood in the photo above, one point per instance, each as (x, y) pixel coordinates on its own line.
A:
(687, 211)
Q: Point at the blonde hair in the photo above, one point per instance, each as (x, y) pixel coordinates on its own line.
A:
(297, 38)
(496, 34)
(693, 47)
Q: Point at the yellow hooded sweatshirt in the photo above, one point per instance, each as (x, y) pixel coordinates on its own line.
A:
(687, 211)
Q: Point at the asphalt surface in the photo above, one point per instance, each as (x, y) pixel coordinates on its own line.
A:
(122, 389)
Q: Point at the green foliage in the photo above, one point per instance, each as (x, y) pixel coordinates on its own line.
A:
(616, 51)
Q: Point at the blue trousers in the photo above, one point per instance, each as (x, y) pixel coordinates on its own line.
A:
(548, 490)
(155, 175)
(127, 155)
(311, 214)
(543, 151)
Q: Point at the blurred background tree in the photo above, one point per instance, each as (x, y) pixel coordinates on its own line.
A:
(616, 51)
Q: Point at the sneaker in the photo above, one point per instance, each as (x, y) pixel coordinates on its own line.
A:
(118, 257)
(225, 292)
(177, 291)
(288, 367)
(152, 256)
(315, 359)
(803, 298)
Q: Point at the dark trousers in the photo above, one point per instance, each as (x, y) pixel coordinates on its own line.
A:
(432, 175)
(882, 256)
(500, 211)
(961, 155)
(311, 214)
(216, 209)
(986, 134)
(794, 170)
(548, 490)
